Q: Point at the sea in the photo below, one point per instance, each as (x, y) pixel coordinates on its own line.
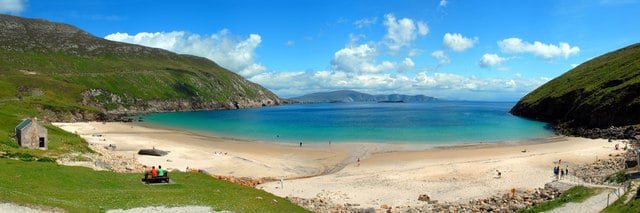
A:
(428, 123)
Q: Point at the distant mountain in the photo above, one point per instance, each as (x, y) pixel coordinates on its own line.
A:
(600, 93)
(353, 96)
(69, 74)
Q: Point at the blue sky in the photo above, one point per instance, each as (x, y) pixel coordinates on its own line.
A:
(491, 50)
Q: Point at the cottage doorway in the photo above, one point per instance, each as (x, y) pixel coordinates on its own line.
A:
(41, 142)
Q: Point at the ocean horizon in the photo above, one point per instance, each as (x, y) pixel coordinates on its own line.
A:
(426, 123)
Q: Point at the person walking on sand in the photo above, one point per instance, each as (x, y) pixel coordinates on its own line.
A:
(358, 161)
(300, 143)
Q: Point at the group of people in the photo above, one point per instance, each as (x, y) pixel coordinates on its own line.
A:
(559, 173)
(157, 172)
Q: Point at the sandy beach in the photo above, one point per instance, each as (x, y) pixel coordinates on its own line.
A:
(389, 174)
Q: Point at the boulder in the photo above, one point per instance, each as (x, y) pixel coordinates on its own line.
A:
(424, 197)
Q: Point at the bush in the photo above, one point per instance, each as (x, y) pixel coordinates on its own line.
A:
(618, 177)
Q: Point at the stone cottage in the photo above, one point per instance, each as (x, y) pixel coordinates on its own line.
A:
(31, 134)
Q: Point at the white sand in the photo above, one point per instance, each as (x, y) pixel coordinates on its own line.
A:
(392, 177)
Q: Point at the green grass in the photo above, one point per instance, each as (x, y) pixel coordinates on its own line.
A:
(601, 92)
(76, 189)
(617, 177)
(619, 206)
(575, 194)
(79, 189)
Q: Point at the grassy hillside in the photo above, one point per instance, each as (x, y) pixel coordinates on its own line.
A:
(67, 73)
(57, 72)
(78, 189)
(601, 92)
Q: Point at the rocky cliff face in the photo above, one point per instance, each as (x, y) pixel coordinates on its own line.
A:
(127, 105)
(83, 77)
(600, 93)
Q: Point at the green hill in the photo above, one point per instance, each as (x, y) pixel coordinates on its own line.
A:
(601, 92)
(58, 72)
(67, 74)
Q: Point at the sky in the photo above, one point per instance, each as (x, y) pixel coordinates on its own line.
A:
(491, 50)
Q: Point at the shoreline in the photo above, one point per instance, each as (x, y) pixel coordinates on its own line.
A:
(388, 146)
(387, 174)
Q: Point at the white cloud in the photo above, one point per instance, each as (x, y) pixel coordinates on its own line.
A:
(12, 6)
(365, 22)
(290, 43)
(229, 51)
(441, 85)
(539, 49)
(443, 59)
(359, 59)
(402, 33)
(457, 42)
(406, 65)
(423, 29)
(490, 60)
(443, 3)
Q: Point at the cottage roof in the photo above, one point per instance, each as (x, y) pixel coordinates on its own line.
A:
(24, 123)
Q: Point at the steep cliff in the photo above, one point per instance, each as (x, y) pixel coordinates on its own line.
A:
(69, 74)
(601, 92)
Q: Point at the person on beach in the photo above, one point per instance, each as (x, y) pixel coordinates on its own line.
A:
(160, 171)
(154, 172)
(300, 143)
(561, 174)
(358, 161)
(499, 173)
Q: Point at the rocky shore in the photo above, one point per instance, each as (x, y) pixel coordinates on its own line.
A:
(614, 133)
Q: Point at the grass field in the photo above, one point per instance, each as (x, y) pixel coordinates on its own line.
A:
(79, 189)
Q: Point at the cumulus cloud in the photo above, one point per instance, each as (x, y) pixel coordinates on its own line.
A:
(491, 60)
(539, 49)
(406, 65)
(232, 52)
(359, 59)
(443, 59)
(402, 33)
(458, 43)
(12, 6)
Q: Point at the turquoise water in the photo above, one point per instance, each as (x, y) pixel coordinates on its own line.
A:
(443, 122)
